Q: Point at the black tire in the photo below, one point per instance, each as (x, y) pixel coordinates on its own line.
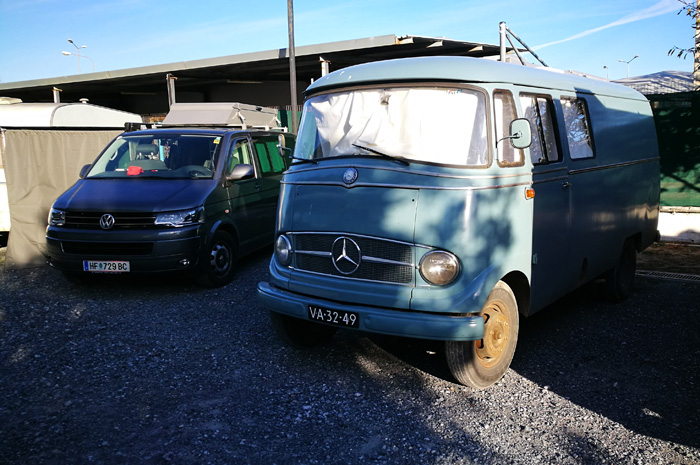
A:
(480, 364)
(218, 263)
(299, 333)
(619, 281)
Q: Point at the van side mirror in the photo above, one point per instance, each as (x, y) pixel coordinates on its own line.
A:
(84, 171)
(281, 148)
(520, 133)
(241, 171)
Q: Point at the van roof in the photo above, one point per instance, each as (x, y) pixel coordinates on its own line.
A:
(465, 69)
(199, 130)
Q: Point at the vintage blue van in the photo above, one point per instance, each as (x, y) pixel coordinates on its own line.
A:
(444, 198)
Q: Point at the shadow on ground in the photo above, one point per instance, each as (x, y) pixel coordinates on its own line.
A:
(636, 362)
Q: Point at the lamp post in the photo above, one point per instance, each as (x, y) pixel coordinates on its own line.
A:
(628, 63)
(607, 73)
(79, 55)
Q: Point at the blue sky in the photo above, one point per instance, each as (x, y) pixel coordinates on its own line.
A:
(584, 35)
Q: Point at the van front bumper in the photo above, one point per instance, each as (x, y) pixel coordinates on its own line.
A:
(392, 322)
(146, 251)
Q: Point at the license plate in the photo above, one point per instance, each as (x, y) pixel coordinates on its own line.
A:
(334, 317)
(102, 266)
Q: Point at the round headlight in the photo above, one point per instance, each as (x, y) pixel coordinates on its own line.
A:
(439, 267)
(283, 250)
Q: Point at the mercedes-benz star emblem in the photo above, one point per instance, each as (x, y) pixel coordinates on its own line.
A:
(346, 255)
(106, 221)
(350, 176)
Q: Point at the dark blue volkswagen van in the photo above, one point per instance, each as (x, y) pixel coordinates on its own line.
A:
(176, 199)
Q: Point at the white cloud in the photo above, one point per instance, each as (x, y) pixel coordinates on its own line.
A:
(660, 8)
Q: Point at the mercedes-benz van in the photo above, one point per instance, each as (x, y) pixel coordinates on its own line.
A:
(445, 198)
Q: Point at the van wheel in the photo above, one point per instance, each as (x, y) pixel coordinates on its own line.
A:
(219, 261)
(479, 364)
(619, 281)
(300, 333)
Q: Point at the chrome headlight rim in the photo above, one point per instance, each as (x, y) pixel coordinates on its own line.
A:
(436, 276)
(283, 250)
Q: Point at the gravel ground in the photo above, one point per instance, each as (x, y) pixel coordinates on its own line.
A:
(158, 371)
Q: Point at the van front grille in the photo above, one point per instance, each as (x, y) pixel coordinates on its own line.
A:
(107, 248)
(91, 220)
(354, 257)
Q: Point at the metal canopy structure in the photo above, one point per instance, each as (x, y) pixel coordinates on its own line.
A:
(230, 78)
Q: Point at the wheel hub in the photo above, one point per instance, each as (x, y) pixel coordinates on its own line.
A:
(496, 331)
(220, 258)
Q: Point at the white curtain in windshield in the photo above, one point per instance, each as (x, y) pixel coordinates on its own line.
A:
(435, 125)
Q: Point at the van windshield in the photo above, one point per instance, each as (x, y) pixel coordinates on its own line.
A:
(173, 156)
(445, 125)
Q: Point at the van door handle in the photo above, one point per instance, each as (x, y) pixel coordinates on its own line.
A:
(565, 185)
(257, 187)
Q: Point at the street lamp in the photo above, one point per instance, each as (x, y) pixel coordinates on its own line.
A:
(607, 73)
(628, 64)
(79, 55)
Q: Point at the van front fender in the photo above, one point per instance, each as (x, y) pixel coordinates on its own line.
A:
(463, 296)
(227, 226)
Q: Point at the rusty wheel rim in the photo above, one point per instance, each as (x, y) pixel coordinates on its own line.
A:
(490, 349)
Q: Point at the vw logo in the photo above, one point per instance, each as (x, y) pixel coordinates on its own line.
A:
(106, 221)
(346, 255)
(350, 176)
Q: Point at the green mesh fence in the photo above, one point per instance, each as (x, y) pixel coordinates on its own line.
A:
(677, 119)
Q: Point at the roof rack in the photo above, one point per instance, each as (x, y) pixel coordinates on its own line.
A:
(506, 34)
(222, 114)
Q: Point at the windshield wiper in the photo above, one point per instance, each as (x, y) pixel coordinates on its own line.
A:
(381, 154)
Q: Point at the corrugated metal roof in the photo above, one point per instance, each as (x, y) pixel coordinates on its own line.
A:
(110, 88)
(665, 82)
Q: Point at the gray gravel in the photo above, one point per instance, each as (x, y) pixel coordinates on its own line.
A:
(156, 371)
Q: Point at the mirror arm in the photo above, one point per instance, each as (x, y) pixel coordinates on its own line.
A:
(514, 136)
(282, 147)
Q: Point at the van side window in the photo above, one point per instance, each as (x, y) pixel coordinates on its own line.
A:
(240, 153)
(504, 108)
(270, 161)
(578, 132)
(539, 110)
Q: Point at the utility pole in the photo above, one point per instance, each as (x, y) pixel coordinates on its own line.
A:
(293, 65)
(696, 67)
